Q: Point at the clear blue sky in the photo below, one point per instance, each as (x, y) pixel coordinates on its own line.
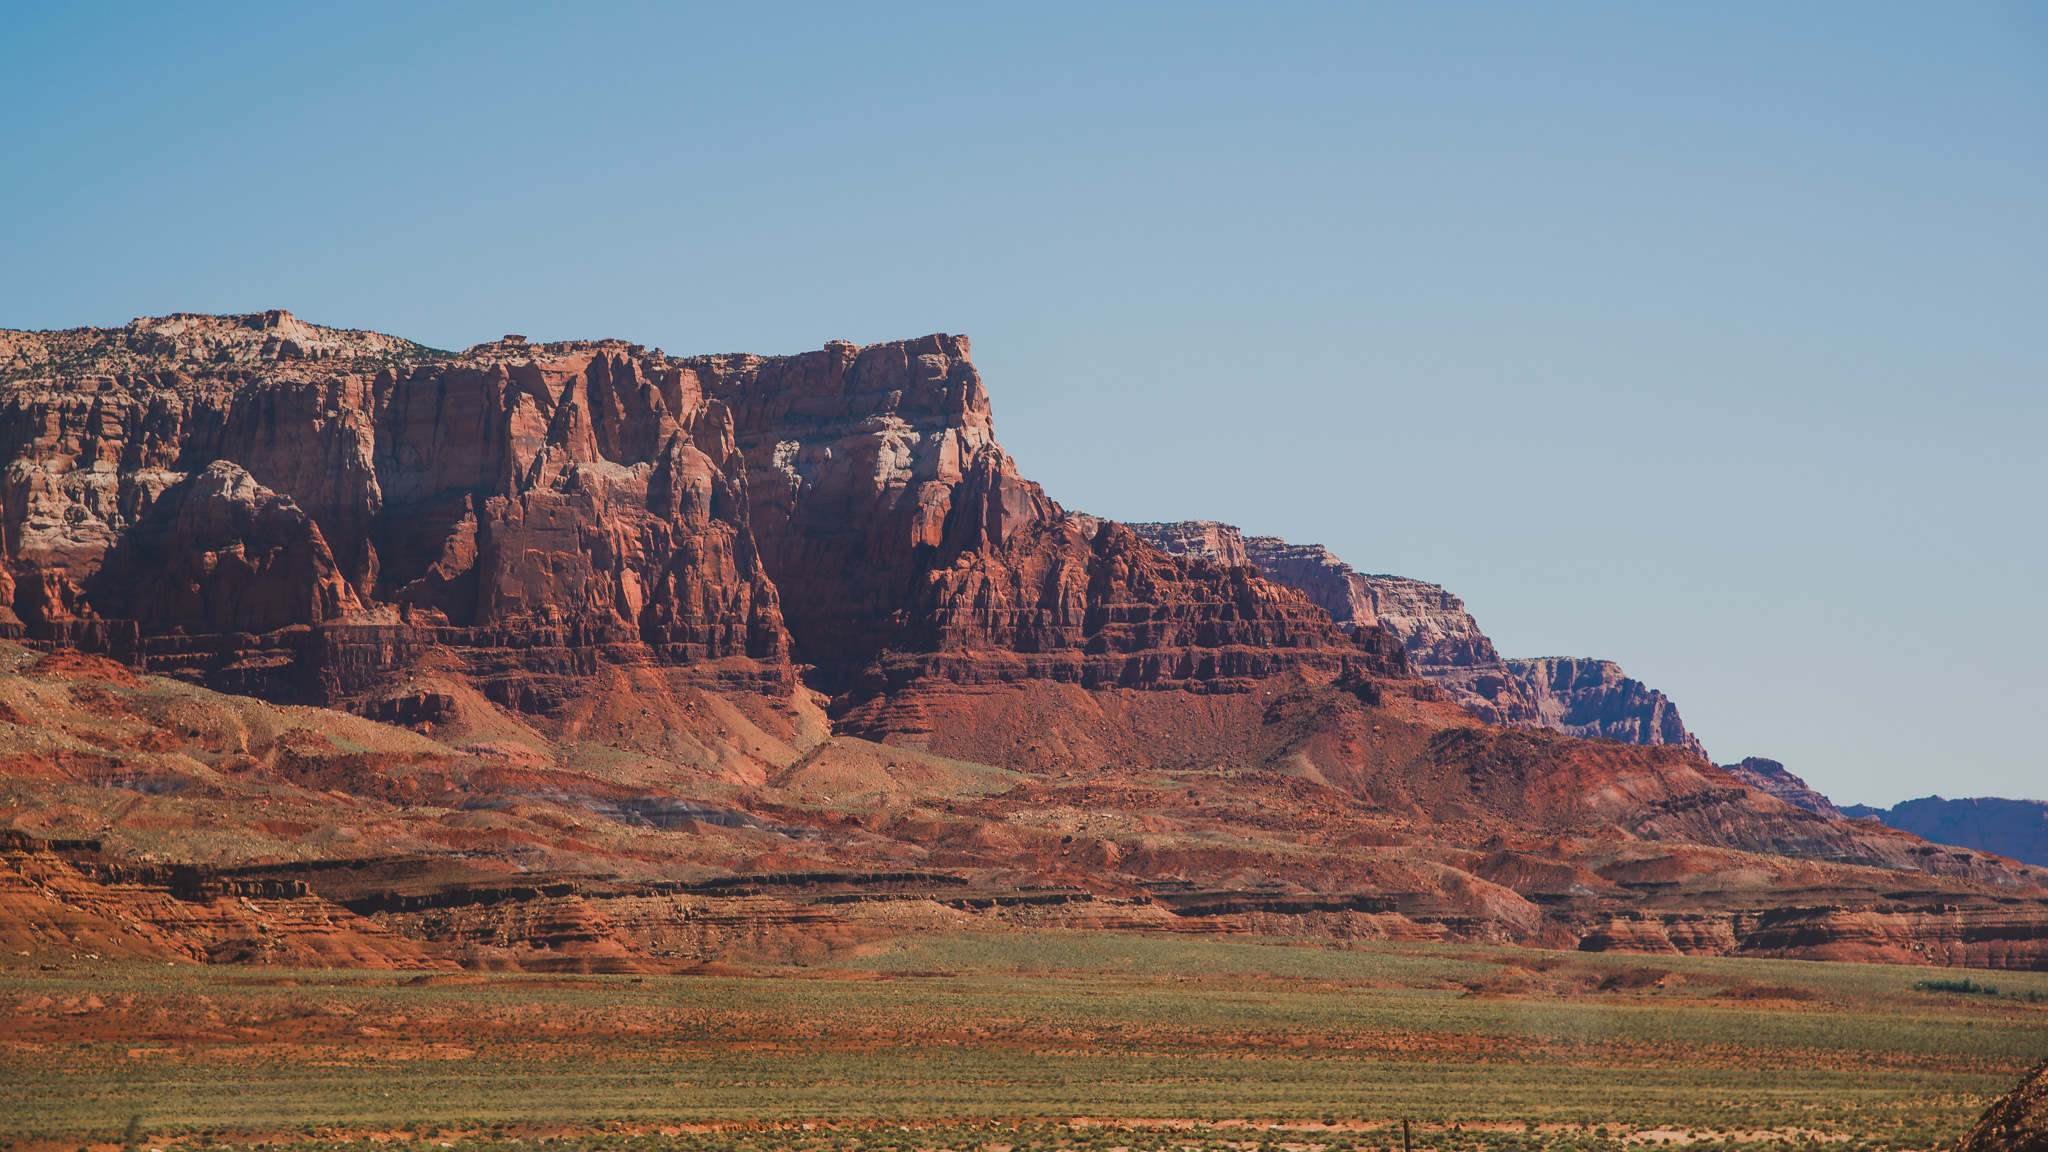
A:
(1712, 339)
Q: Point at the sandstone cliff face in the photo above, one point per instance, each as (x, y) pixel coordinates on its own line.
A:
(1594, 698)
(593, 574)
(1347, 596)
(1443, 643)
(297, 512)
(1207, 540)
(853, 457)
(1771, 777)
(909, 550)
(186, 484)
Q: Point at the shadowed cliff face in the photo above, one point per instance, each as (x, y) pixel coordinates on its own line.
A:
(853, 458)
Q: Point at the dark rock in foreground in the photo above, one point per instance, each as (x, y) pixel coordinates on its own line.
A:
(2017, 1121)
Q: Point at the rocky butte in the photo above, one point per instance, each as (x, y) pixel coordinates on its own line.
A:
(327, 647)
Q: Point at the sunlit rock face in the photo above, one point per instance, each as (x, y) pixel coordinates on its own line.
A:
(1595, 698)
(279, 508)
(596, 611)
(909, 549)
(1444, 644)
(272, 507)
(1774, 778)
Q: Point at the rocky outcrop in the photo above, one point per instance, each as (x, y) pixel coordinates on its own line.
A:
(1208, 540)
(66, 899)
(1771, 778)
(1981, 934)
(909, 550)
(1443, 644)
(1593, 698)
(1446, 646)
(2016, 1121)
(2013, 828)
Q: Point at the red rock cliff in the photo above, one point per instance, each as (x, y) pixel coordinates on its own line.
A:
(292, 511)
(909, 549)
(188, 484)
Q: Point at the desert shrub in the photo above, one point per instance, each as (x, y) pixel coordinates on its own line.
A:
(1965, 986)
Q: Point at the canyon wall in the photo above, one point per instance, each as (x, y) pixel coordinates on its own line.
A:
(909, 551)
(1445, 645)
(296, 512)
(1442, 642)
(292, 511)
(1594, 698)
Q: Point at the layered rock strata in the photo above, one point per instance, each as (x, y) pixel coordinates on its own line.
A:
(1773, 778)
(1594, 698)
(152, 819)
(172, 823)
(292, 511)
(908, 548)
(1445, 645)
(1442, 642)
(586, 578)
(304, 513)
(1209, 540)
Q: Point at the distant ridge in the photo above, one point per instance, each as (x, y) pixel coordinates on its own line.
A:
(2013, 828)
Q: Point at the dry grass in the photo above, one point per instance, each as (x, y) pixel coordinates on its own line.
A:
(1022, 1026)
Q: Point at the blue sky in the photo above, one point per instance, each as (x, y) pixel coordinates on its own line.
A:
(1711, 339)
